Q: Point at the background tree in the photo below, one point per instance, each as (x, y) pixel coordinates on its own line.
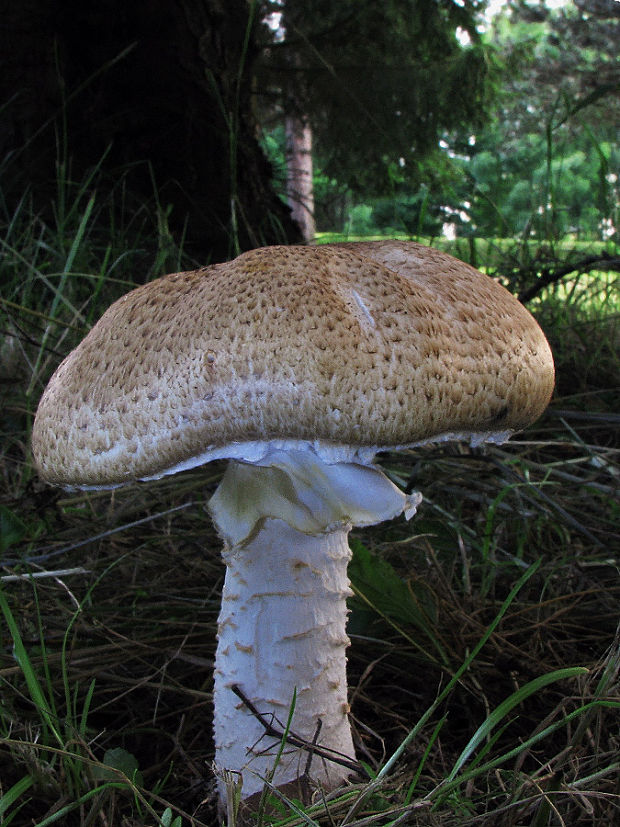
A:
(565, 57)
(547, 160)
(157, 91)
(377, 82)
(548, 163)
(162, 93)
(300, 174)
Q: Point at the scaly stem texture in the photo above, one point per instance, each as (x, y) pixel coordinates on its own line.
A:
(281, 635)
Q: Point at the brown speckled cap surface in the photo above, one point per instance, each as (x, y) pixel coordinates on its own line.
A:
(381, 345)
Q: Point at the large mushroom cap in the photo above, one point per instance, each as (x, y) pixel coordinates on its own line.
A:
(364, 346)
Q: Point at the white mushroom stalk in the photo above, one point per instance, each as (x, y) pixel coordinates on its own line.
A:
(281, 633)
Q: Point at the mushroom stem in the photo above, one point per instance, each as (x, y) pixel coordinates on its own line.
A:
(285, 519)
(282, 638)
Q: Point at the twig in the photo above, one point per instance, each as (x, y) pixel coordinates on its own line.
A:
(40, 558)
(295, 740)
(37, 575)
(550, 275)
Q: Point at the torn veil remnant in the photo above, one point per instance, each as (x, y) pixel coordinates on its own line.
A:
(297, 364)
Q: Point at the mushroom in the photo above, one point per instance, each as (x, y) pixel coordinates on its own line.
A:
(298, 365)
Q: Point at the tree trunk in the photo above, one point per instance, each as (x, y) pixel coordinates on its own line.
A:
(299, 184)
(162, 86)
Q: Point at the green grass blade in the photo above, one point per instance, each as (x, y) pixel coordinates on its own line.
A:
(507, 706)
(418, 772)
(389, 764)
(12, 795)
(21, 656)
(79, 236)
(60, 290)
(86, 708)
(59, 815)
(446, 787)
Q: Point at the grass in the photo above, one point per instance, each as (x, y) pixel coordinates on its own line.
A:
(485, 657)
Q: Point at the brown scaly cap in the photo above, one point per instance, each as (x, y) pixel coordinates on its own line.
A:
(371, 345)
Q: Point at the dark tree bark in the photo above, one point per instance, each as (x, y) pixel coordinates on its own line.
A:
(163, 87)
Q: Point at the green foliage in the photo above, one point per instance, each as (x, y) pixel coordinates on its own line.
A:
(548, 163)
(544, 165)
(379, 82)
(408, 606)
(12, 529)
(547, 185)
(118, 758)
(361, 220)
